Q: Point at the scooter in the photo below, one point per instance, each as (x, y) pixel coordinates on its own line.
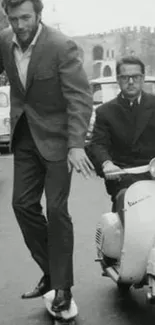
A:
(65, 317)
(125, 240)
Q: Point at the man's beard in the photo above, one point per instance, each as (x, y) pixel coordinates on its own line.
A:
(25, 44)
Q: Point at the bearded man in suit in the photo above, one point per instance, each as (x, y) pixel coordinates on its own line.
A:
(124, 130)
(50, 110)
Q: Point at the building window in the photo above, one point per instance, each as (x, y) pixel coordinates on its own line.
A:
(97, 53)
(132, 52)
(107, 53)
(112, 54)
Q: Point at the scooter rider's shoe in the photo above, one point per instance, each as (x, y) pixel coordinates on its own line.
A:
(62, 300)
(42, 287)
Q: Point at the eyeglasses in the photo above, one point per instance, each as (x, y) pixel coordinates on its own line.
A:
(134, 77)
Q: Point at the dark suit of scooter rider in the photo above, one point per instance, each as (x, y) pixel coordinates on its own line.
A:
(49, 118)
(124, 132)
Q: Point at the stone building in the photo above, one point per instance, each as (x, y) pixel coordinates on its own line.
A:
(100, 52)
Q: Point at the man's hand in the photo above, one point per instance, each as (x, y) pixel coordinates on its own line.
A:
(78, 159)
(109, 167)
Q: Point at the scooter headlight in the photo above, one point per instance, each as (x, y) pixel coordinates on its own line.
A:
(152, 167)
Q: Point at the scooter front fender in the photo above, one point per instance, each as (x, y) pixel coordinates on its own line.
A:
(139, 232)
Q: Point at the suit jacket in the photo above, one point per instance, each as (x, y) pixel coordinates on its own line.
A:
(125, 138)
(57, 100)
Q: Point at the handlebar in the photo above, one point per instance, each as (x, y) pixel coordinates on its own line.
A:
(132, 170)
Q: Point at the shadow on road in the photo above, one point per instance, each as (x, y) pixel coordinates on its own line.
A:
(46, 319)
(42, 316)
(129, 309)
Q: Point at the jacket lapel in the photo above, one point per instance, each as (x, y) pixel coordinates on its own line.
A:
(16, 74)
(35, 57)
(143, 116)
(13, 68)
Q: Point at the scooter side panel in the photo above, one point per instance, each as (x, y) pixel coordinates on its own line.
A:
(139, 230)
(109, 235)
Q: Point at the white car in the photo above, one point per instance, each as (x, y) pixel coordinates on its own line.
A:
(105, 89)
(4, 116)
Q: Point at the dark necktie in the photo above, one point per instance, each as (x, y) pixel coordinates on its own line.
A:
(131, 106)
(134, 110)
(134, 103)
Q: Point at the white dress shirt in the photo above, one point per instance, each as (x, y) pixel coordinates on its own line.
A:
(22, 59)
(138, 99)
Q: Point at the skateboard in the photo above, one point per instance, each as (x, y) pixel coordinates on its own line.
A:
(66, 317)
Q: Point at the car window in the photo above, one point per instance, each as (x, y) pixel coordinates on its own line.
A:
(110, 91)
(104, 92)
(149, 87)
(4, 101)
(97, 94)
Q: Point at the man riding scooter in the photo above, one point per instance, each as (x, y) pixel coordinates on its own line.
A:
(124, 131)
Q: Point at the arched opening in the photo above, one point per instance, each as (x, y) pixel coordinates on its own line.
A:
(96, 70)
(97, 53)
(107, 72)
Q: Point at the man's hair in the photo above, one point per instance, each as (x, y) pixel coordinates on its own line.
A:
(129, 60)
(37, 4)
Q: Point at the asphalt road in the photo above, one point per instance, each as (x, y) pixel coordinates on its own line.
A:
(98, 299)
